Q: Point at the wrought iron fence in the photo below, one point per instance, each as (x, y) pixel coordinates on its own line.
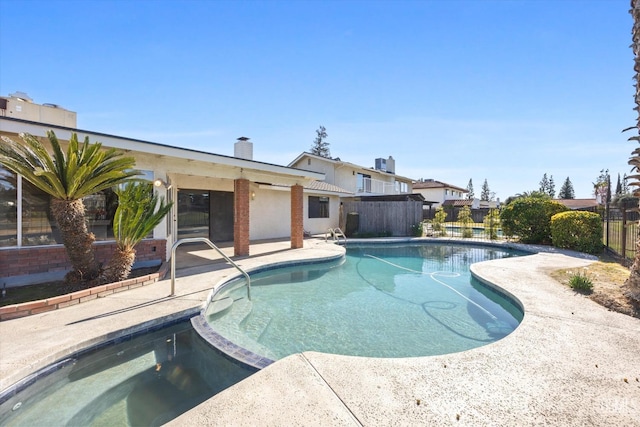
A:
(620, 232)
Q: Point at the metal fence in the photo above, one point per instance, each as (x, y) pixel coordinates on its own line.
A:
(620, 232)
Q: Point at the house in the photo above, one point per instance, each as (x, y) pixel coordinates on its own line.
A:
(358, 180)
(223, 198)
(383, 200)
(438, 192)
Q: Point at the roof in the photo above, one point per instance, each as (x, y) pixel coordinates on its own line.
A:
(339, 162)
(287, 174)
(457, 202)
(325, 186)
(432, 183)
(416, 197)
(577, 204)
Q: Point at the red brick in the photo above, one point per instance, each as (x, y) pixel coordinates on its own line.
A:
(32, 305)
(88, 298)
(8, 309)
(98, 289)
(43, 309)
(57, 300)
(80, 294)
(15, 315)
(68, 304)
(105, 293)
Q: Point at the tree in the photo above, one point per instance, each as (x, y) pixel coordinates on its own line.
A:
(633, 281)
(485, 195)
(618, 186)
(529, 218)
(85, 169)
(470, 195)
(566, 191)
(548, 186)
(544, 184)
(320, 145)
(601, 188)
(137, 215)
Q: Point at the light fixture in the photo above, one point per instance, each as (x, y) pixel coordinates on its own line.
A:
(160, 183)
(253, 195)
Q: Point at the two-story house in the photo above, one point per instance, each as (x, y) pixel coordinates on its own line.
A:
(358, 180)
(360, 185)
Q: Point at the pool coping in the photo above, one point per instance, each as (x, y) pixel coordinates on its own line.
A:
(581, 383)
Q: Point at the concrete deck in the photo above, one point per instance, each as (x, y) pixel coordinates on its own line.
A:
(570, 362)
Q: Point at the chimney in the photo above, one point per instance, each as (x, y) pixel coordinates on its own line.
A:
(391, 165)
(243, 148)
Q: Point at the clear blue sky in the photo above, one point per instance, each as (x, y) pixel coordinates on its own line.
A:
(453, 90)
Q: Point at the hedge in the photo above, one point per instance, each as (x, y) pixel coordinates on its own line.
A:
(577, 230)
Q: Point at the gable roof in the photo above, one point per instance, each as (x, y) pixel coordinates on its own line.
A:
(432, 183)
(336, 161)
(276, 173)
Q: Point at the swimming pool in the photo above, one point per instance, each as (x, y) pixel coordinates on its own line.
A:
(404, 300)
(145, 381)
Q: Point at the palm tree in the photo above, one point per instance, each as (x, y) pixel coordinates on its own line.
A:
(633, 282)
(135, 217)
(84, 169)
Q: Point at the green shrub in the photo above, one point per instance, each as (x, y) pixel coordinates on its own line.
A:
(492, 224)
(438, 221)
(417, 229)
(580, 281)
(464, 218)
(577, 230)
(529, 218)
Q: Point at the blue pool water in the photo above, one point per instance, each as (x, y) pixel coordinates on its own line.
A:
(146, 381)
(381, 301)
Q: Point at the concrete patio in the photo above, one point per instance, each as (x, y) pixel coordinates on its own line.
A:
(570, 362)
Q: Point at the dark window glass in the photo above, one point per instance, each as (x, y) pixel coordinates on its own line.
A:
(8, 208)
(318, 207)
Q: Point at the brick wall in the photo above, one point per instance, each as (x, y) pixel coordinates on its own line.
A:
(297, 217)
(47, 259)
(241, 217)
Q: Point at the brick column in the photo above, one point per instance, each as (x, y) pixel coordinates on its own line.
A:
(241, 196)
(297, 217)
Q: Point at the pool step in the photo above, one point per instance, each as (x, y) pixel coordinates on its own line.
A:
(255, 325)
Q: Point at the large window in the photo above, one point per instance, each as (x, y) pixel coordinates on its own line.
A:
(318, 207)
(8, 208)
(26, 219)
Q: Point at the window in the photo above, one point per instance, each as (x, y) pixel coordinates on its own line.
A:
(8, 208)
(364, 183)
(318, 207)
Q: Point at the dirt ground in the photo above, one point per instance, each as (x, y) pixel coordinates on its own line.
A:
(608, 286)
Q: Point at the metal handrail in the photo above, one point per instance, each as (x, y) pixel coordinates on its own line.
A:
(335, 233)
(208, 242)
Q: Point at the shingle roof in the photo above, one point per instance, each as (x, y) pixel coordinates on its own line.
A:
(325, 186)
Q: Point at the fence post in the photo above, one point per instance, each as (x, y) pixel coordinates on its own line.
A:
(624, 232)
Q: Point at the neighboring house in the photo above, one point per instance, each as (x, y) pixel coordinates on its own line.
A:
(358, 180)
(364, 190)
(223, 198)
(438, 192)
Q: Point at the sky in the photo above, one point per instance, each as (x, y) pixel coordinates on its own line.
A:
(503, 91)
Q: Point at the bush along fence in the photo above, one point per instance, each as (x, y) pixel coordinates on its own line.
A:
(614, 228)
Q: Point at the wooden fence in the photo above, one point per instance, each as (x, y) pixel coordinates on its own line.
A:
(383, 218)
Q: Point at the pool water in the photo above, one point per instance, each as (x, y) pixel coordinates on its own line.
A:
(146, 381)
(381, 301)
